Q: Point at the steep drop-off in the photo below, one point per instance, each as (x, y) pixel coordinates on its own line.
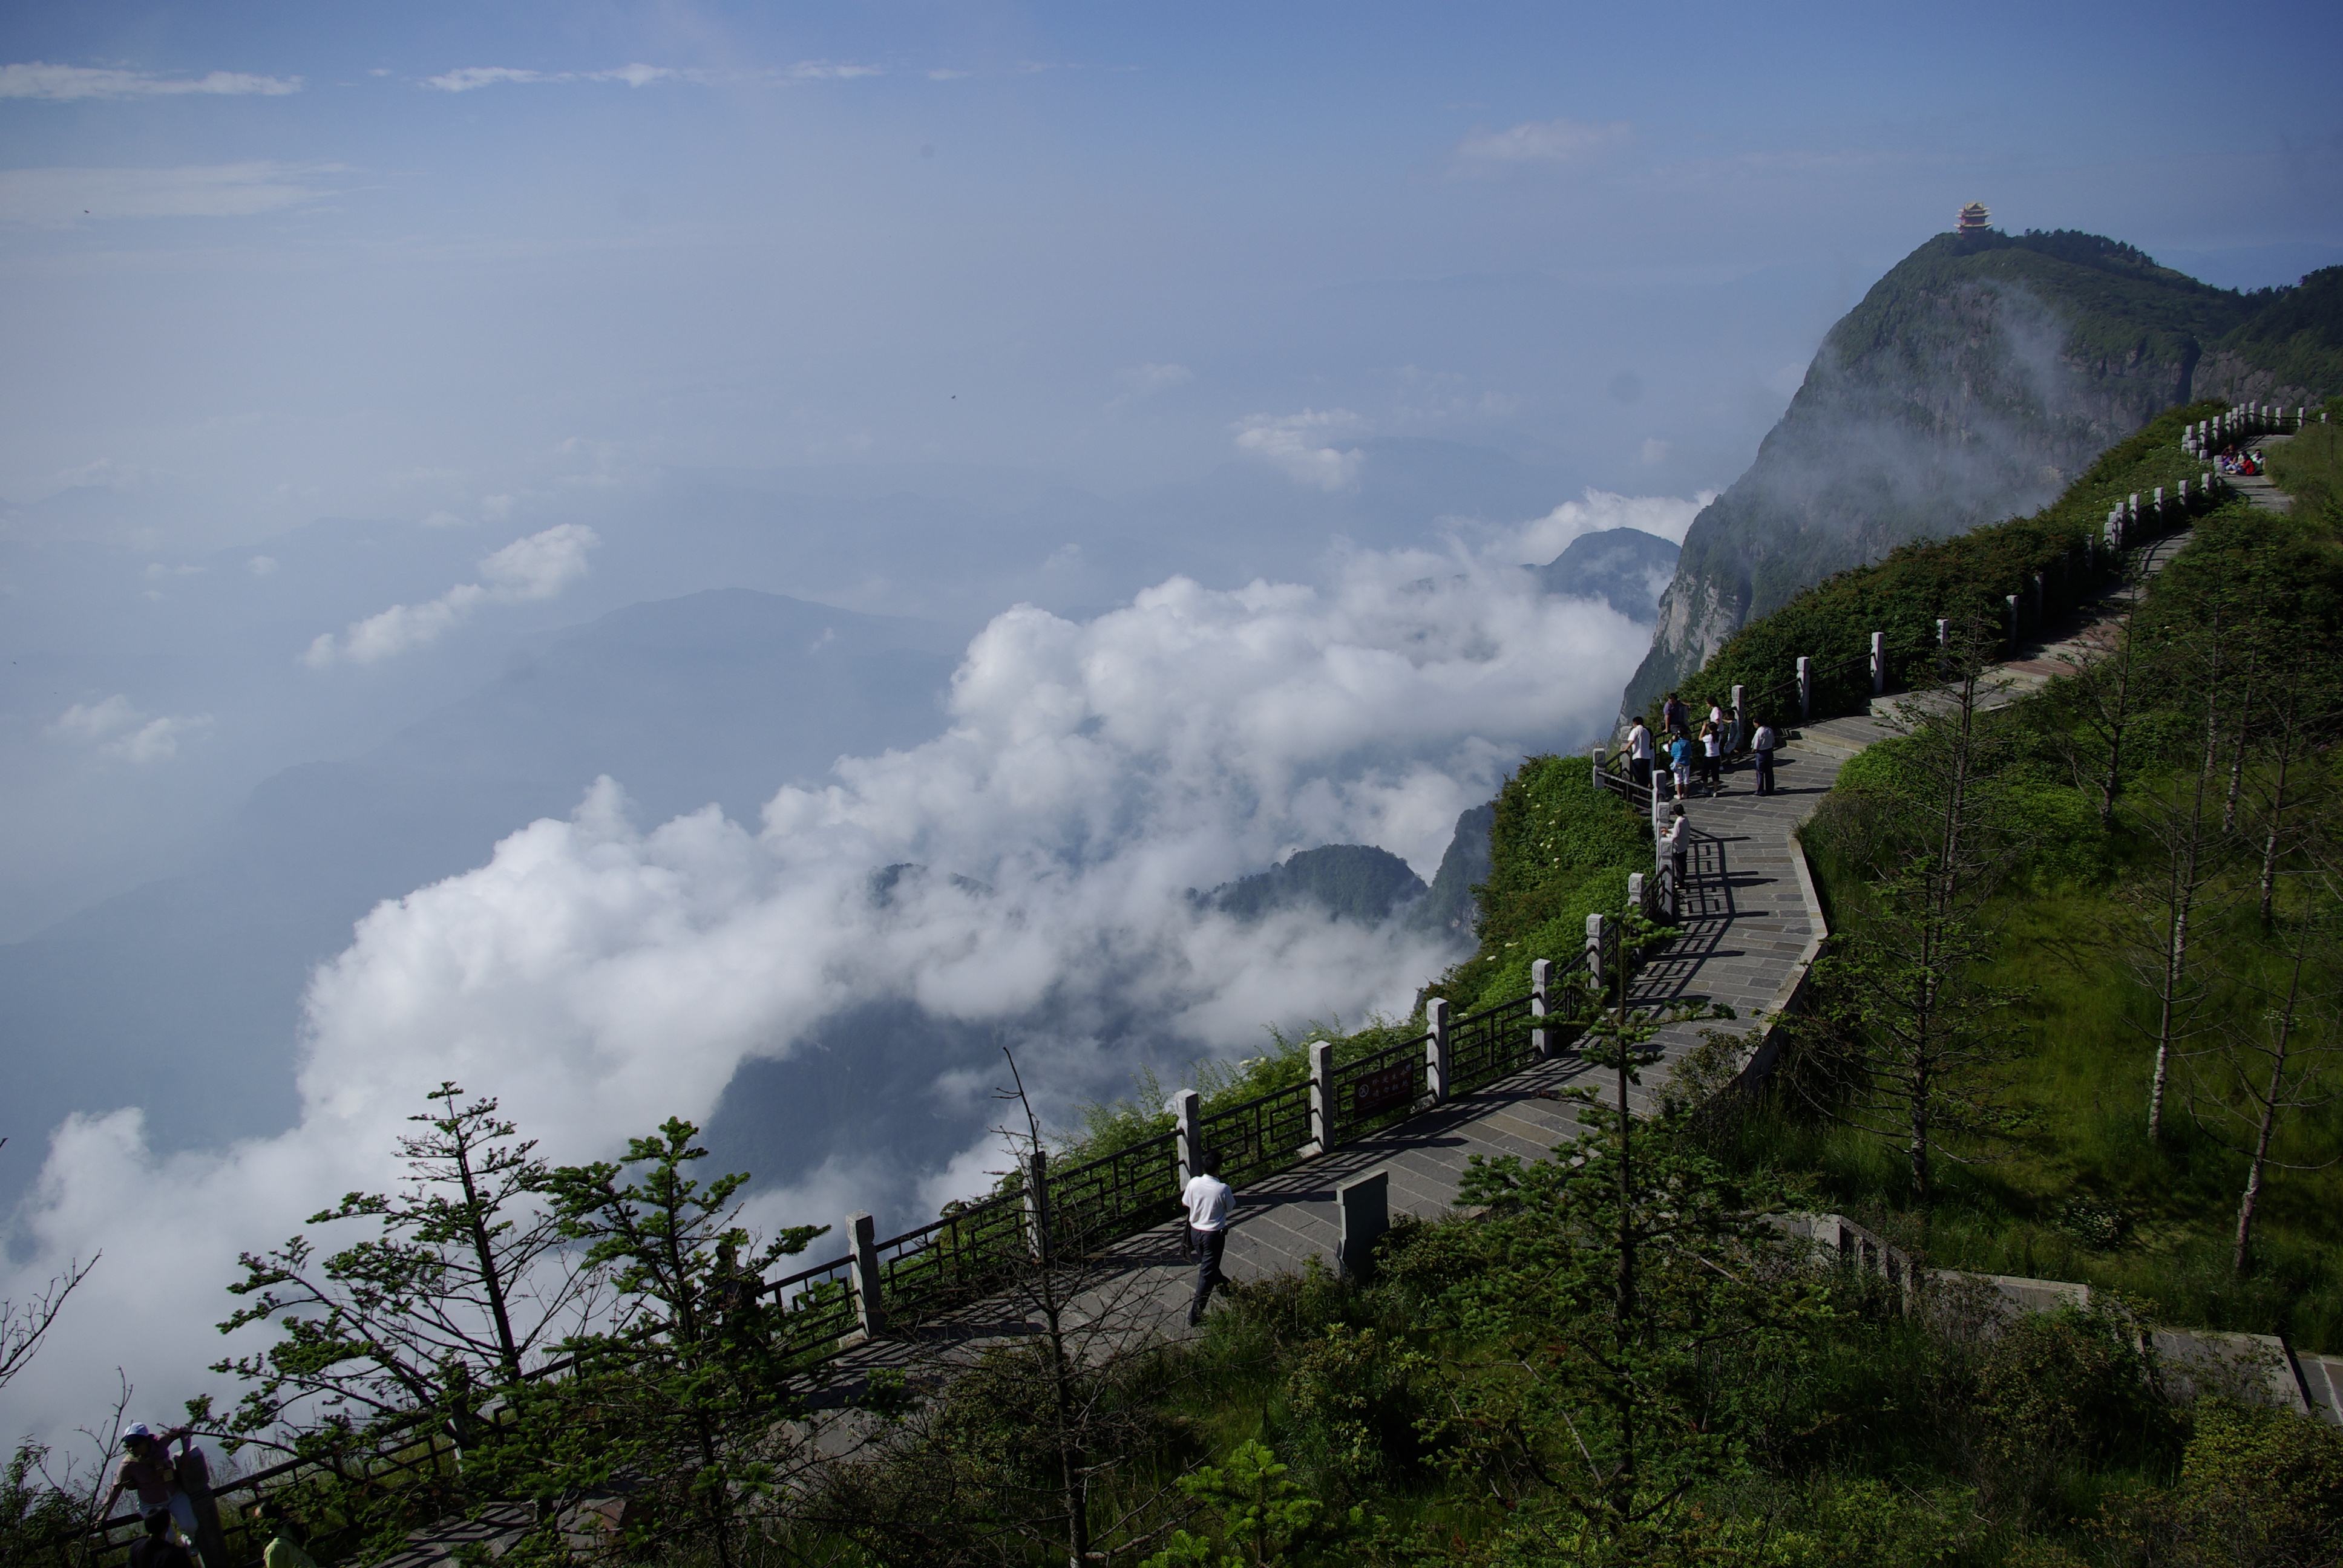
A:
(1974, 382)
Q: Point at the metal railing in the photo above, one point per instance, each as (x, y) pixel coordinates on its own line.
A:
(815, 1308)
(1115, 1195)
(952, 1260)
(1371, 1088)
(1487, 1045)
(1255, 1136)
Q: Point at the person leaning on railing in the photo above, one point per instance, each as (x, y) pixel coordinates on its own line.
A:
(147, 1468)
(1639, 756)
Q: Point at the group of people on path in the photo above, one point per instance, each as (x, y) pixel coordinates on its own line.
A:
(2247, 463)
(174, 1497)
(1694, 759)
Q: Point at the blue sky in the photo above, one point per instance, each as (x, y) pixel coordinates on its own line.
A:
(693, 234)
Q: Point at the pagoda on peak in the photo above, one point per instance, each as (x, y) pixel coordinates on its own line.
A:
(1974, 219)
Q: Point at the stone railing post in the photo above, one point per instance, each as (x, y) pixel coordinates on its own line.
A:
(1321, 1097)
(1435, 1049)
(1806, 687)
(1878, 663)
(2041, 601)
(1037, 1206)
(1540, 994)
(1659, 815)
(1639, 898)
(862, 1236)
(2160, 503)
(2010, 602)
(1187, 1116)
(1943, 632)
(1740, 721)
(1600, 754)
(1598, 928)
(1362, 1209)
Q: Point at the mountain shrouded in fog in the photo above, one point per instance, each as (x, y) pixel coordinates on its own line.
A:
(1971, 383)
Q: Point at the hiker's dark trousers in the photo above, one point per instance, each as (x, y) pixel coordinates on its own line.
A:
(1765, 772)
(1206, 1245)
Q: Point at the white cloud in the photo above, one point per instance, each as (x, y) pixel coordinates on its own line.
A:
(1302, 446)
(540, 567)
(472, 78)
(1139, 382)
(1543, 539)
(115, 728)
(599, 975)
(64, 84)
(61, 197)
(261, 566)
(1537, 142)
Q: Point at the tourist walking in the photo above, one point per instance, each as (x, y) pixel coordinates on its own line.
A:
(1712, 756)
(1765, 742)
(1639, 758)
(1208, 1201)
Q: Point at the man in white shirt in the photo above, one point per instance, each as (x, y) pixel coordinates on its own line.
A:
(1639, 756)
(1208, 1201)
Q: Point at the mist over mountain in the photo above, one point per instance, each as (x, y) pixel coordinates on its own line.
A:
(1627, 569)
(1971, 383)
(1347, 882)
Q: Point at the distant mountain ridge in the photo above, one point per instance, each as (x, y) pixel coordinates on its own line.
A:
(1349, 881)
(1627, 569)
(1972, 383)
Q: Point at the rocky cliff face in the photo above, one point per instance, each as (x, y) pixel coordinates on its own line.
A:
(1971, 384)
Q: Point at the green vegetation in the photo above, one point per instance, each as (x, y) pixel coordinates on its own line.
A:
(1903, 594)
(2225, 813)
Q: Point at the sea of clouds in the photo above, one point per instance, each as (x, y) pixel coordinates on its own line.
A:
(599, 973)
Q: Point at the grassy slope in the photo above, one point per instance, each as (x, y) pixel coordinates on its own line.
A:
(2046, 1204)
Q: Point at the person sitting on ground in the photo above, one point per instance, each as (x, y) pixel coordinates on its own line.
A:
(285, 1549)
(1764, 743)
(1208, 1201)
(160, 1546)
(147, 1468)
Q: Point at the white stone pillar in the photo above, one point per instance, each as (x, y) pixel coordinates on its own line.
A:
(2159, 501)
(1600, 753)
(1740, 721)
(1435, 1049)
(1598, 931)
(2011, 600)
(1321, 1097)
(862, 1272)
(1878, 662)
(1805, 687)
(1639, 897)
(1541, 999)
(1362, 1207)
(1187, 1109)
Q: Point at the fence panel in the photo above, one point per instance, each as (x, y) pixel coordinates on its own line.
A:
(952, 1260)
(1259, 1135)
(1116, 1195)
(814, 1308)
(1378, 1085)
(1489, 1044)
